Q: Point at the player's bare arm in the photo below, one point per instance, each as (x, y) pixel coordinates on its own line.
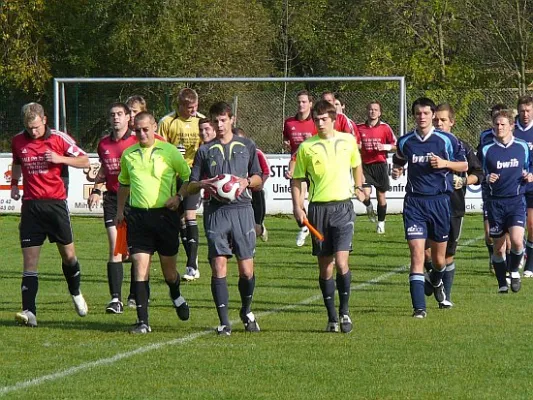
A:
(122, 197)
(297, 201)
(76, 162)
(96, 192)
(456, 166)
(16, 173)
(174, 202)
(357, 174)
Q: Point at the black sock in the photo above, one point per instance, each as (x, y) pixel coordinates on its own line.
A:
(343, 287)
(29, 288)
(115, 276)
(328, 293)
(184, 242)
(447, 279)
(174, 288)
(219, 290)
(246, 290)
(428, 266)
(508, 261)
(192, 242)
(500, 269)
(367, 202)
(132, 282)
(382, 212)
(435, 276)
(141, 298)
(73, 276)
(529, 256)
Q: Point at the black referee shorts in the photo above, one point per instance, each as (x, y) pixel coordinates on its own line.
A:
(45, 218)
(155, 229)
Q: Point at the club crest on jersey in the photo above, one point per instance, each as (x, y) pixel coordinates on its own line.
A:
(512, 163)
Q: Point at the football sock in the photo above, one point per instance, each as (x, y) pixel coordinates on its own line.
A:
(141, 298)
(516, 257)
(132, 282)
(219, 290)
(183, 236)
(28, 288)
(343, 287)
(382, 212)
(328, 293)
(500, 269)
(115, 276)
(435, 276)
(416, 287)
(508, 261)
(246, 290)
(192, 242)
(428, 266)
(447, 279)
(529, 256)
(174, 288)
(73, 276)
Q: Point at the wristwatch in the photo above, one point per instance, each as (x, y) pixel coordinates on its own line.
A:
(180, 197)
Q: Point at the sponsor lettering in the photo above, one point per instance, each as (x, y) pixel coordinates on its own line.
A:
(420, 159)
(512, 163)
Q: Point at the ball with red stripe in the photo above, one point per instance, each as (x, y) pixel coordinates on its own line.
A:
(228, 187)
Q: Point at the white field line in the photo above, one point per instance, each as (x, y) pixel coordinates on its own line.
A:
(189, 338)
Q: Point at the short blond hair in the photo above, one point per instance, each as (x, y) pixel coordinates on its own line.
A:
(31, 111)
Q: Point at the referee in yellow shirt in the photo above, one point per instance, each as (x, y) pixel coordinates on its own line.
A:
(332, 163)
(148, 172)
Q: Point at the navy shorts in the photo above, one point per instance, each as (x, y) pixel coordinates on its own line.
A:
(427, 217)
(335, 220)
(529, 200)
(44, 218)
(504, 213)
(230, 230)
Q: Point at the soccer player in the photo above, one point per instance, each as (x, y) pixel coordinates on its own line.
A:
(444, 121)
(136, 104)
(330, 159)
(39, 153)
(258, 194)
(524, 130)
(295, 130)
(486, 137)
(377, 140)
(507, 166)
(431, 155)
(342, 122)
(148, 173)
(180, 128)
(229, 227)
(207, 130)
(110, 149)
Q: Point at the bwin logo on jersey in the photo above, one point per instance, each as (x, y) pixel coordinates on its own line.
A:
(420, 159)
(512, 163)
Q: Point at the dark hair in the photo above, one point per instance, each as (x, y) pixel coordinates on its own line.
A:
(220, 108)
(423, 102)
(524, 100)
(121, 105)
(374, 102)
(238, 132)
(497, 107)
(205, 121)
(305, 93)
(323, 107)
(446, 107)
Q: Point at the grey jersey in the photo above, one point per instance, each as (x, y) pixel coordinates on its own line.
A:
(238, 157)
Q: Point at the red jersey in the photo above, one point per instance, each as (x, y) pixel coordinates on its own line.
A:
(42, 179)
(109, 152)
(345, 124)
(372, 135)
(265, 166)
(295, 131)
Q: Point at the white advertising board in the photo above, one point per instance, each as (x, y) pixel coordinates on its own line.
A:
(277, 189)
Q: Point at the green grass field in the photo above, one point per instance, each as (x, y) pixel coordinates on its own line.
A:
(479, 349)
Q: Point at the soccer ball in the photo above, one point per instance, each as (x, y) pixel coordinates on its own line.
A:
(228, 187)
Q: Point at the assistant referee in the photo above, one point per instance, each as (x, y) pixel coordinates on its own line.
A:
(148, 172)
(330, 160)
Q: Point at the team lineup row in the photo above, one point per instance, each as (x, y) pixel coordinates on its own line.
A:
(162, 169)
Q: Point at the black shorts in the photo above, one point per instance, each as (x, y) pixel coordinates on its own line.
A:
(190, 202)
(259, 206)
(335, 220)
(152, 230)
(456, 224)
(110, 208)
(377, 175)
(42, 218)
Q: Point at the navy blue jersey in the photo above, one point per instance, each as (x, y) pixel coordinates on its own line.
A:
(485, 138)
(416, 151)
(509, 161)
(526, 134)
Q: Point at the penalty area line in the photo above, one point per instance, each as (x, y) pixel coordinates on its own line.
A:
(189, 338)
